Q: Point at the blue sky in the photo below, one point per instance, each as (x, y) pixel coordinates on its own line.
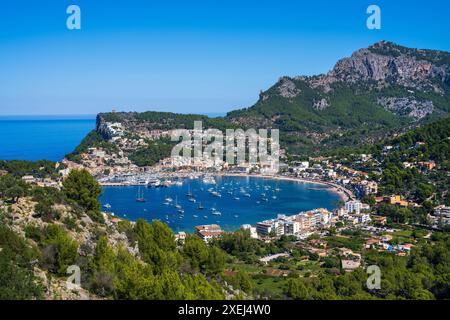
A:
(187, 56)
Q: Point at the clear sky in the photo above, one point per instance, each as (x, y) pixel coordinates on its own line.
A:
(187, 56)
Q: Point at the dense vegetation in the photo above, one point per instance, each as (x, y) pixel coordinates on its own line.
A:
(84, 190)
(12, 188)
(166, 120)
(353, 118)
(163, 272)
(427, 143)
(165, 269)
(17, 280)
(38, 169)
(422, 275)
(160, 271)
(155, 151)
(92, 140)
(420, 184)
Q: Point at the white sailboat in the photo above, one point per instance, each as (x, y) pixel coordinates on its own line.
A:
(176, 203)
(140, 196)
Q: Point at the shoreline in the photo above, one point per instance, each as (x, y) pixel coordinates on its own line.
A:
(343, 193)
(325, 186)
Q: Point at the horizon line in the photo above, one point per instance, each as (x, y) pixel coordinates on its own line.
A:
(95, 114)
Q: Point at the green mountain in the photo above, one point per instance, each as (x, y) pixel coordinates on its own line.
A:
(373, 93)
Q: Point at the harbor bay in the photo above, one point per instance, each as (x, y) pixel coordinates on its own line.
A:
(229, 201)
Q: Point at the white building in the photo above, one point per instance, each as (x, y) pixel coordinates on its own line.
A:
(264, 228)
(326, 217)
(302, 166)
(180, 236)
(253, 233)
(341, 212)
(353, 206)
(364, 218)
(330, 173)
(291, 227)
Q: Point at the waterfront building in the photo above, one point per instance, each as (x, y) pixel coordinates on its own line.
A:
(243, 168)
(312, 219)
(301, 166)
(341, 212)
(279, 227)
(330, 173)
(291, 227)
(353, 206)
(253, 232)
(303, 222)
(276, 226)
(264, 228)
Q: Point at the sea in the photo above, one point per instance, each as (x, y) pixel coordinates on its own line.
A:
(242, 200)
(46, 137)
(42, 137)
(52, 137)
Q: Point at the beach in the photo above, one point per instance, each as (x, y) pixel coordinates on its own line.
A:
(343, 193)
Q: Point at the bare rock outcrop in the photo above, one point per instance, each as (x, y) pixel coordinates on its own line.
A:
(287, 88)
(321, 104)
(407, 106)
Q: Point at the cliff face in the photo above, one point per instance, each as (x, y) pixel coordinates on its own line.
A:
(380, 66)
(385, 64)
(102, 128)
(376, 91)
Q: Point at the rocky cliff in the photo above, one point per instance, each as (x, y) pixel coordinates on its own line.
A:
(387, 64)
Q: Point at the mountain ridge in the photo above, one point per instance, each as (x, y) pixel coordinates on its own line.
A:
(377, 92)
(383, 87)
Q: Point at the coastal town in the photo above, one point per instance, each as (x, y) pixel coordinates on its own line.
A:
(374, 213)
(360, 209)
(350, 178)
(218, 156)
